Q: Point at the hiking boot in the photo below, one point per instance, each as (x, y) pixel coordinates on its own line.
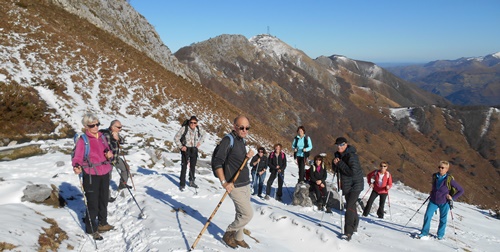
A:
(182, 188)
(97, 236)
(228, 238)
(192, 184)
(104, 228)
(328, 210)
(279, 199)
(348, 237)
(242, 244)
(267, 197)
(111, 199)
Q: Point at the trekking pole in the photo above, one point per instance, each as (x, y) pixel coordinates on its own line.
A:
(341, 203)
(369, 189)
(327, 197)
(389, 201)
(86, 205)
(416, 212)
(218, 205)
(141, 215)
(127, 166)
(453, 222)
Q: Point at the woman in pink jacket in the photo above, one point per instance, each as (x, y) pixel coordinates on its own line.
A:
(91, 160)
(381, 181)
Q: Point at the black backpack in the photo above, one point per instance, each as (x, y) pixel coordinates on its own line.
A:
(185, 124)
(306, 144)
(231, 138)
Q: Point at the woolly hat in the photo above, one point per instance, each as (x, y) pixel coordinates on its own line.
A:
(193, 118)
(340, 140)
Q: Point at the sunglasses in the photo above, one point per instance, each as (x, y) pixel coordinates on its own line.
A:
(244, 128)
(193, 122)
(119, 127)
(441, 167)
(383, 166)
(93, 125)
(340, 145)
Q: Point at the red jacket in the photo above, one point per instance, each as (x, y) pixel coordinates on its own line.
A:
(386, 181)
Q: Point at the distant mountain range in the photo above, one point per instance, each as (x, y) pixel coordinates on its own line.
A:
(61, 58)
(465, 81)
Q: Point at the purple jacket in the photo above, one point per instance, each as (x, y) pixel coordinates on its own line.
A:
(439, 192)
(96, 155)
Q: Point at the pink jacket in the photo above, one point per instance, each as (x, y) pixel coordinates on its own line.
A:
(98, 147)
(386, 181)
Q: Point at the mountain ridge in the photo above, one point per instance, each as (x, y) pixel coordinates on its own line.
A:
(89, 69)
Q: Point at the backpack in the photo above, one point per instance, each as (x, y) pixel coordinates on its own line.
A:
(185, 124)
(272, 155)
(87, 145)
(231, 139)
(306, 144)
(449, 178)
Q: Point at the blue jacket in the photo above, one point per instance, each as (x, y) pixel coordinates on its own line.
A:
(298, 143)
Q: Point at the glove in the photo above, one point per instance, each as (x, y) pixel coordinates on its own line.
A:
(451, 204)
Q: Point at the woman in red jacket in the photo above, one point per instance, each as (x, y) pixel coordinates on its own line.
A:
(381, 181)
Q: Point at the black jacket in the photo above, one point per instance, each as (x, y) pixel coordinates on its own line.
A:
(235, 159)
(315, 175)
(350, 170)
(275, 160)
(261, 165)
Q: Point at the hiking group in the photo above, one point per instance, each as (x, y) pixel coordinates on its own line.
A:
(97, 151)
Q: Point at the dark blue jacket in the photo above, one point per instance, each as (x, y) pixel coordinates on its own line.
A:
(350, 170)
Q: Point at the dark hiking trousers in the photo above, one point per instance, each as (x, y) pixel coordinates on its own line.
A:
(373, 196)
(96, 190)
(301, 162)
(270, 182)
(190, 154)
(351, 214)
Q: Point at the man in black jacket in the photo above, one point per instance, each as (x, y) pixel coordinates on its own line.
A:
(114, 139)
(346, 162)
(239, 190)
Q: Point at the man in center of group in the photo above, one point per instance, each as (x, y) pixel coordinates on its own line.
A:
(233, 157)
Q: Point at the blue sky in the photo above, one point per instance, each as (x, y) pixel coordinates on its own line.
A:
(378, 31)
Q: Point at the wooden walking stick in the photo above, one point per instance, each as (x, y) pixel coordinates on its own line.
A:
(218, 205)
(128, 168)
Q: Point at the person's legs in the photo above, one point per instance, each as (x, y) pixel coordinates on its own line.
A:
(261, 182)
(182, 182)
(431, 208)
(351, 215)
(243, 208)
(270, 182)
(193, 158)
(280, 184)
(122, 168)
(302, 170)
(443, 218)
(380, 211)
(369, 204)
(102, 183)
(92, 194)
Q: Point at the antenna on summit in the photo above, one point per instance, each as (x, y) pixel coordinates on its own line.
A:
(268, 31)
